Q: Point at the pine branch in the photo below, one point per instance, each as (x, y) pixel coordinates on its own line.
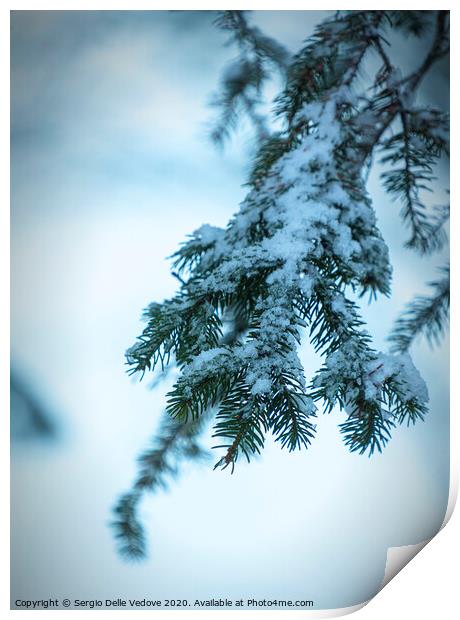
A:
(366, 429)
(128, 530)
(303, 240)
(422, 140)
(332, 57)
(175, 441)
(416, 149)
(246, 266)
(243, 80)
(411, 22)
(241, 420)
(251, 37)
(383, 105)
(289, 412)
(375, 390)
(176, 327)
(439, 49)
(425, 315)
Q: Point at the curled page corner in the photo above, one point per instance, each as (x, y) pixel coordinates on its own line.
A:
(453, 495)
(344, 611)
(398, 557)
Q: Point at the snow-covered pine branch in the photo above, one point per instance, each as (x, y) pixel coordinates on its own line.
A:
(303, 243)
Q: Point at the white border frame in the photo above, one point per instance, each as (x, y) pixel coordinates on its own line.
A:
(429, 587)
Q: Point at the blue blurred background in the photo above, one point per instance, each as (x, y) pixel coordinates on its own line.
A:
(111, 169)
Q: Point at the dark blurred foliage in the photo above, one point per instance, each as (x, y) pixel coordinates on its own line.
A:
(30, 418)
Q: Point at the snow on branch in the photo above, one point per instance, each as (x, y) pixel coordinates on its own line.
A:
(304, 242)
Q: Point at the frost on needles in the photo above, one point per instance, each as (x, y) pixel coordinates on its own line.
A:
(291, 261)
